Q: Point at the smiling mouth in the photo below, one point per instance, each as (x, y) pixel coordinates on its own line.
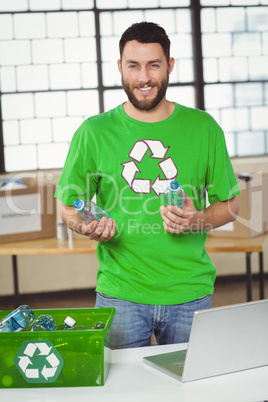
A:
(145, 89)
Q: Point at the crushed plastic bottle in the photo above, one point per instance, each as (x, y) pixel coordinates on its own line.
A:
(99, 325)
(69, 324)
(89, 211)
(44, 323)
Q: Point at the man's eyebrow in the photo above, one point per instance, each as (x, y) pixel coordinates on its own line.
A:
(129, 61)
(155, 61)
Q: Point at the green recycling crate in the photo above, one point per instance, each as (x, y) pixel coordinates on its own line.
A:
(66, 358)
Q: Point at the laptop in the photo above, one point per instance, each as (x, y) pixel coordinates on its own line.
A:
(222, 340)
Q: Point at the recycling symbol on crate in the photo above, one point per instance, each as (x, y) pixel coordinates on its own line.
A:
(38, 361)
(166, 165)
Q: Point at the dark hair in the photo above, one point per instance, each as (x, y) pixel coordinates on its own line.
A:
(146, 32)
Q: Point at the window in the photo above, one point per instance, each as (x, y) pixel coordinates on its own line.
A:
(58, 66)
(235, 65)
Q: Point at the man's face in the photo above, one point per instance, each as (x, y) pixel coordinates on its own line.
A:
(145, 73)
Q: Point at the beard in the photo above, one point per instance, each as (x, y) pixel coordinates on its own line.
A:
(146, 104)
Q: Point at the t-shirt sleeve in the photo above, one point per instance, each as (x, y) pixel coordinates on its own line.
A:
(78, 180)
(221, 181)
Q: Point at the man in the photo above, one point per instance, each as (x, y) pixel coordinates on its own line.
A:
(153, 265)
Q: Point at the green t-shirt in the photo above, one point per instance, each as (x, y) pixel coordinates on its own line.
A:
(128, 165)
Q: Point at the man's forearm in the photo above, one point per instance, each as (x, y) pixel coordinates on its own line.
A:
(217, 214)
(177, 220)
(70, 217)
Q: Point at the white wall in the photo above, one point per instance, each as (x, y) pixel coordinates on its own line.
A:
(48, 273)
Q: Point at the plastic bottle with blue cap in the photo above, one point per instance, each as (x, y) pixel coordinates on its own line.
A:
(89, 211)
(174, 194)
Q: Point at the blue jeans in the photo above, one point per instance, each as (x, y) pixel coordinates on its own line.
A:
(134, 323)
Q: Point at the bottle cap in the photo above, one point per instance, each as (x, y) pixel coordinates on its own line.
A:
(79, 204)
(174, 185)
(69, 321)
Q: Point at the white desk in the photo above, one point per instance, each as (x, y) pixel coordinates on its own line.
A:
(130, 380)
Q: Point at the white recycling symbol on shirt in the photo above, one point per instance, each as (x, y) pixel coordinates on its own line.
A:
(39, 361)
(166, 165)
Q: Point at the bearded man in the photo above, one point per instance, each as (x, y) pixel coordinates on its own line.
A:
(153, 266)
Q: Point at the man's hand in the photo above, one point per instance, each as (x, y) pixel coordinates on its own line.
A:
(177, 220)
(103, 230)
(99, 231)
